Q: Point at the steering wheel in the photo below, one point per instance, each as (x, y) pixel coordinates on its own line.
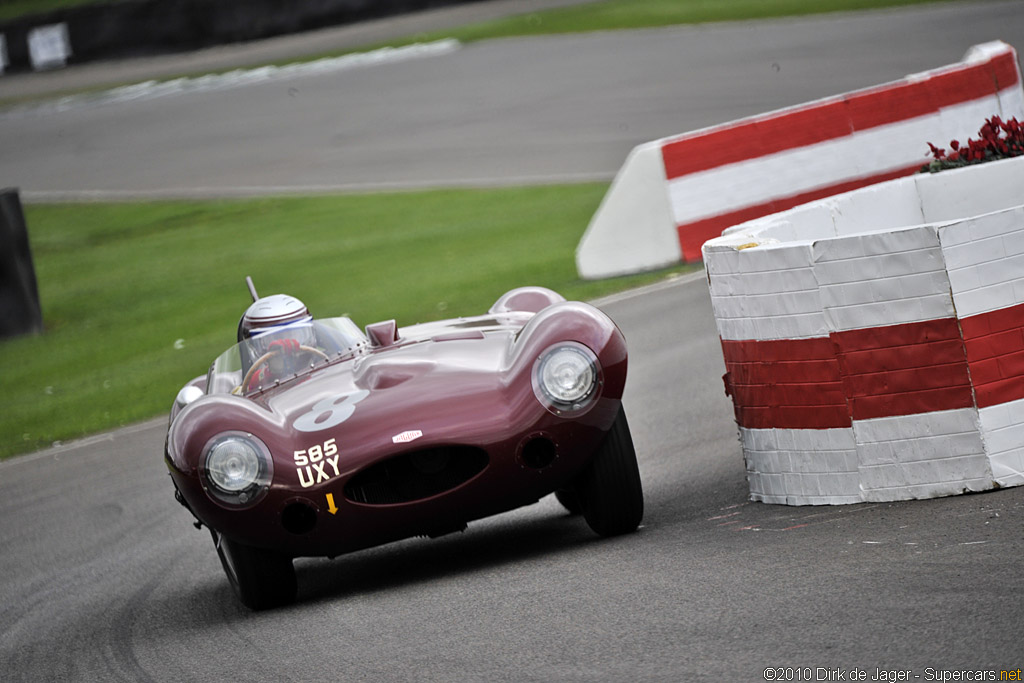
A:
(262, 360)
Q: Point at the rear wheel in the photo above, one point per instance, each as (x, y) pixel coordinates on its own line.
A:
(262, 579)
(609, 490)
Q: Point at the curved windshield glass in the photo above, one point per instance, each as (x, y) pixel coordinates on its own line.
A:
(256, 364)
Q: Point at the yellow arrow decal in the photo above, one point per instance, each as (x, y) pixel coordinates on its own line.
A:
(331, 507)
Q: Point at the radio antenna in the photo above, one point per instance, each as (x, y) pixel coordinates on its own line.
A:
(252, 288)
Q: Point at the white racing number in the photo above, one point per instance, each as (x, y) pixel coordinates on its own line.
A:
(329, 412)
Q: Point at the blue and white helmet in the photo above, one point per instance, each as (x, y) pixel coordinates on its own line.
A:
(276, 317)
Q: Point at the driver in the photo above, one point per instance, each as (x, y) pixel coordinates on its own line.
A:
(279, 334)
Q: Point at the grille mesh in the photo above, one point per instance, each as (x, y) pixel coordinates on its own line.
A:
(417, 475)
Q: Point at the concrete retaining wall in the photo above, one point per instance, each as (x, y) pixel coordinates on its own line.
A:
(874, 341)
(673, 194)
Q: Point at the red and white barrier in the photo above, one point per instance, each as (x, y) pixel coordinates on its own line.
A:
(874, 341)
(672, 195)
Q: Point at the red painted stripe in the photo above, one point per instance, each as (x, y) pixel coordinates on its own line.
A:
(693, 235)
(836, 117)
(827, 382)
(904, 369)
(793, 384)
(995, 353)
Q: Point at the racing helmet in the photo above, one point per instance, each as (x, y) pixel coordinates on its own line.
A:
(276, 317)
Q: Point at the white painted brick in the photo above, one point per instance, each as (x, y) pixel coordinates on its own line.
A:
(1003, 433)
(793, 280)
(889, 313)
(955, 194)
(960, 421)
(940, 447)
(937, 490)
(1008, 467)
(789, 327)
(767, 305)
(881, 476)
(978, 251)
(1000, 271)
(1013, 242)
(793, 484)
(1006, 218)
(963, 280)
(760, 439)
(985, 299)
(884, 206)
(872, 291)
(876, 454)
(1001, 415)
(912, 239)
(1003, 439)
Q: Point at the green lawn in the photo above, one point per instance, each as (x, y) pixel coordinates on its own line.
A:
(622, 14)
(138, 298)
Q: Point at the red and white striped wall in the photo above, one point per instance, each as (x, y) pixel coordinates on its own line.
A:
(874, 341)
(672, 195)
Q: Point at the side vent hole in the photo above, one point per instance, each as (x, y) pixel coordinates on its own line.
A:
(298, 518)
(538, 453)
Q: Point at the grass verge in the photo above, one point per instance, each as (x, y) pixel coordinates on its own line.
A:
(139, 298)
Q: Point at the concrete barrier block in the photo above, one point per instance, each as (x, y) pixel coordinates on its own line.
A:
(725, 175)
(633, 229)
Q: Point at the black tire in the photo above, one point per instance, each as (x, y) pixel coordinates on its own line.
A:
(609, 490)
(262, 579)
(569, 500)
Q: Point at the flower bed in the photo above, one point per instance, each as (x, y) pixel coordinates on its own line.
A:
(997, 139)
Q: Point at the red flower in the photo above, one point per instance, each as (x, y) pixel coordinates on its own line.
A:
(997, 139)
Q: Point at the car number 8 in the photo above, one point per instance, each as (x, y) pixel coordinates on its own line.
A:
(329, 412)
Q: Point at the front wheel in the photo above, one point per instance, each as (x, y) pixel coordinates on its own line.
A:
(262, 579)
(569, 500)
(609, 490)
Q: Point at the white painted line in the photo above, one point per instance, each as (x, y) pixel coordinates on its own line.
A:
(649, 289)
(152, 89)
(59, 448)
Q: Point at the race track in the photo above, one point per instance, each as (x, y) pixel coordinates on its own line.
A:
(103, 578)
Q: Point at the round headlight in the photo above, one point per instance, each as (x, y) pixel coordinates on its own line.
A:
(566, 377)
(237, 468)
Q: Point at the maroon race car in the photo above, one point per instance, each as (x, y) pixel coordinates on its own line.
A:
(311, 438)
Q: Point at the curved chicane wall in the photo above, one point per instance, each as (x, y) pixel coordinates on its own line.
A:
(874, 341)
(672, 195)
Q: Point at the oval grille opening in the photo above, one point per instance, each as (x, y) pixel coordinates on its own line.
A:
(416, 475)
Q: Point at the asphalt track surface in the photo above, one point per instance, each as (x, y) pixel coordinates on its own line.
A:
(102, 577)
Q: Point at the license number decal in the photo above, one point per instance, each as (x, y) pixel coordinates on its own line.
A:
(311, 464)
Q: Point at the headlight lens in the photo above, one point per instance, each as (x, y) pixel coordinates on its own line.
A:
(237, 468)
(566, 378)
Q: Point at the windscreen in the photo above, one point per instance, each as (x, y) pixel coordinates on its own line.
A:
(257, 364)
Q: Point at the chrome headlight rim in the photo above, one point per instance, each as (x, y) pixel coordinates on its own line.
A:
(251, 454)
(572, 397)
